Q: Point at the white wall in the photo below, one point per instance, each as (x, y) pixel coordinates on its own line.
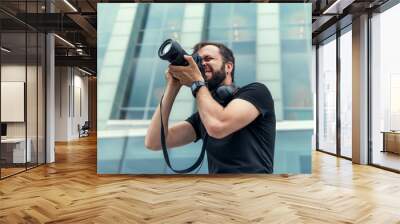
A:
(12, 101)
(71, 94)
(33, 126)
(61, 103)
(16, 73)
(80, 110)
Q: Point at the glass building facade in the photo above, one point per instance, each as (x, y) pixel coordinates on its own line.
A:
(271, 44)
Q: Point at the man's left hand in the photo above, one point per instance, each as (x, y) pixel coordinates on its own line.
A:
(186, 74)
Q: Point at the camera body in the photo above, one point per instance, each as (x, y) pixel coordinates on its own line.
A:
(172, 51)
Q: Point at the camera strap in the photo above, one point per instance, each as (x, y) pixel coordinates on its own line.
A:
(165, 150)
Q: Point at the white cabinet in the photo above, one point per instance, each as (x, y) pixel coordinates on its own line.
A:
(18, 149)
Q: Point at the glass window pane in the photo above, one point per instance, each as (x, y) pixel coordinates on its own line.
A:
(151, 36)
(239, 34)
(173, 17)
(327, 96)
(15, 151)
(164, 21)
(295, 52)
(158, 84)
(219, 34)
(244, 15)
(245, 71)
(148, 51)
(247, 47)
(134, 115)
(296, 87)
(172, 34)
(140, 86)
(220, 15)
(155, 17)
(346, 94)
(385, 89)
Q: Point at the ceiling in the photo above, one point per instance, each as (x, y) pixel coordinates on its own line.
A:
(76, 22)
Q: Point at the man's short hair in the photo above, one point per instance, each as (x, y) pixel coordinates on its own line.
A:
(227, 54)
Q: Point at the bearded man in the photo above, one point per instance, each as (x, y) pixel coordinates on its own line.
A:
(239, 123)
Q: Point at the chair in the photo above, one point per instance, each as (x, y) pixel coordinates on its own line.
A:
(84, 130)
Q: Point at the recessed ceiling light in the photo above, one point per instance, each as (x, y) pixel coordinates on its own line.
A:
(70, 5)
(5, 50)
(64, 40)
(84, 71)
(337, 7)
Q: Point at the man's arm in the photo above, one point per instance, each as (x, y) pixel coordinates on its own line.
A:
(219, 121)
(179, 134)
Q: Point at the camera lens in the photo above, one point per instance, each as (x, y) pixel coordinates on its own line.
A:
(166, 49)
(171, 51)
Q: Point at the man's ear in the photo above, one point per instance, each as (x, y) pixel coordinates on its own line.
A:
(229, 67)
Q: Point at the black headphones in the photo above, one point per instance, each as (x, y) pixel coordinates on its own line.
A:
(225, 93)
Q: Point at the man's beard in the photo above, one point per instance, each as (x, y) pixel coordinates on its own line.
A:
(217, 78)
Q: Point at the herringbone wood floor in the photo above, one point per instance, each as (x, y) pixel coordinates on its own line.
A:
(70, 191)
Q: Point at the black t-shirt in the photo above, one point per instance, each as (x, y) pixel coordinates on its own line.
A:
(250, 149)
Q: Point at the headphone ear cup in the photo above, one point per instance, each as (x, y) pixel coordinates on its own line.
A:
(225, 94)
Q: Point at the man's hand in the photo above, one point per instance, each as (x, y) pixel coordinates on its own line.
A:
(186, 74)
(171, 81)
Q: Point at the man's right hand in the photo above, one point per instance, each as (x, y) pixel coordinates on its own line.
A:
(180, 133)
(171, 81)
